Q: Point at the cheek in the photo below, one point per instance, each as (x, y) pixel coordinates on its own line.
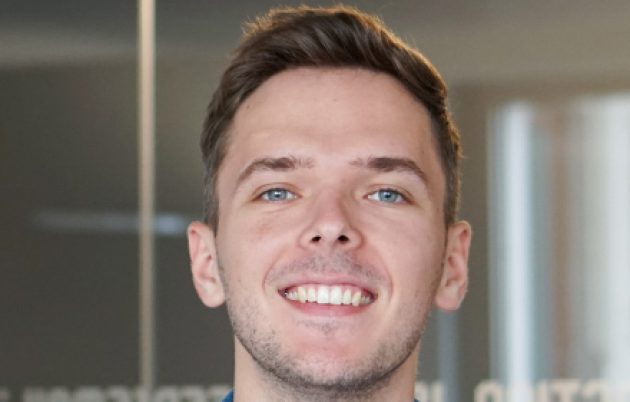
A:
(248, 246)
(413, 236)
(263, 229)
(413, 251)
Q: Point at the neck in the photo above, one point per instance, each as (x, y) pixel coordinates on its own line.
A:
(253, 382)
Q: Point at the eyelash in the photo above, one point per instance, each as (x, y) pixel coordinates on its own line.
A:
(265, 195)
(290, 195)
(401, 198)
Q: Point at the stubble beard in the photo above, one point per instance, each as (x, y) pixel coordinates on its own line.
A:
(299, 381)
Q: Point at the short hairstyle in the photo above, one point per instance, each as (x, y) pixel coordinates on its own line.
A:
(338, 36)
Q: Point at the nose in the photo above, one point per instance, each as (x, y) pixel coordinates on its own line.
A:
(331, 227)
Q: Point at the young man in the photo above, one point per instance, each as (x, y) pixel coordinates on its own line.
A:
(331, 188)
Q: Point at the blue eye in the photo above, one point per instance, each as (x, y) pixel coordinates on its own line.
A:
(386, 195)
(277, 194)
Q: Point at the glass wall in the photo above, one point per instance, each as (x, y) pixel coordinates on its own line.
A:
(68, 248)
(560, 178)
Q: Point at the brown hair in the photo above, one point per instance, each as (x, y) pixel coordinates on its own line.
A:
(325, 37)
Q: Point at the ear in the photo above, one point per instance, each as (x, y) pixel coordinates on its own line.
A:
(454, 281)
(204, 264)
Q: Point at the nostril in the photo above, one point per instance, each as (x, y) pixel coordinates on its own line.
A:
(343, 239)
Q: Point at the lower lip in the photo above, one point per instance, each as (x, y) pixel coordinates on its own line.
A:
(328, 310)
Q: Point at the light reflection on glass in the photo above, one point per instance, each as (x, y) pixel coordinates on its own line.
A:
(560, 223)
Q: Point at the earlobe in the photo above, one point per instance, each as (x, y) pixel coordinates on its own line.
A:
(454, 281)
(204, 264)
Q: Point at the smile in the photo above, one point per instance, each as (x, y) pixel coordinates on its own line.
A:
(328, 295)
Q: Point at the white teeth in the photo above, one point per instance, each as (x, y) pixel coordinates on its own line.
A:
(347, 297)
(323, 296)
(335, 295)
(301, 294)
(356, 299)
(312, 295)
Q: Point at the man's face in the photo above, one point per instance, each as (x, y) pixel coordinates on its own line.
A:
(331, 239)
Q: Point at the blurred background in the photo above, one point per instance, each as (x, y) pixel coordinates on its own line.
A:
(540, 91)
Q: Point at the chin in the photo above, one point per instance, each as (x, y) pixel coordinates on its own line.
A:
(333, 377)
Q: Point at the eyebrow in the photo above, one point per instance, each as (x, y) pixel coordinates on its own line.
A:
(281, 164)
(380, 164)
(391, 164)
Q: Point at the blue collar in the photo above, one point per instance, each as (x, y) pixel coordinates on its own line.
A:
(230, 397)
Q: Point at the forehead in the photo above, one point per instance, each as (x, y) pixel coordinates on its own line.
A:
(331, 114)
(331, 92)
